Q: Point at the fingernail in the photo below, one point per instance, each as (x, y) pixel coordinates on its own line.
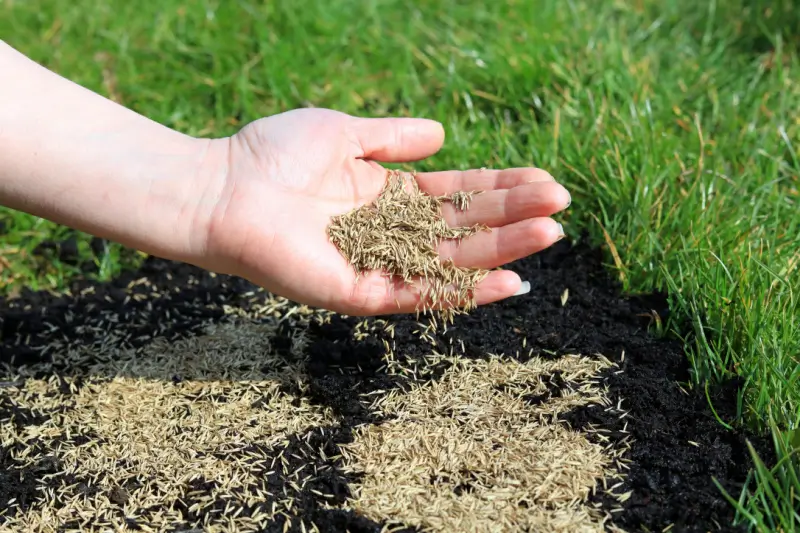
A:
(561, 233)
(525, 288)
(569, 201)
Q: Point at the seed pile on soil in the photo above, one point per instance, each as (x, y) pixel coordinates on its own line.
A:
(471, 452)
(172, 399)
(399, 234)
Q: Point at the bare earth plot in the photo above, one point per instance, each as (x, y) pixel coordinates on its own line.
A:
(175, 400)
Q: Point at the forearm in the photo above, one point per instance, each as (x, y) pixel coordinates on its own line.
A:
(78, 159)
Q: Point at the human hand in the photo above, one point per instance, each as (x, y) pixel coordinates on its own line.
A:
(257, 204)
(288, 174)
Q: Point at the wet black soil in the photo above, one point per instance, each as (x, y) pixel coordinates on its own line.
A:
(677, 444)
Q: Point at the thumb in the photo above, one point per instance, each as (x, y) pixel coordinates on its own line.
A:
(394, 140)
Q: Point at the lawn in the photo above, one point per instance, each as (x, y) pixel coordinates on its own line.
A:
(675, 125)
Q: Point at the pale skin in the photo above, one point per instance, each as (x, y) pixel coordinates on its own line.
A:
(255, 204)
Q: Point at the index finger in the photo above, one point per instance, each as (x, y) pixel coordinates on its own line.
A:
(450, 181)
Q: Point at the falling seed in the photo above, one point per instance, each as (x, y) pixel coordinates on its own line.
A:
(564, 297)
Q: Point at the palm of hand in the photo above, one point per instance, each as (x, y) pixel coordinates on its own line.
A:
(290, 173)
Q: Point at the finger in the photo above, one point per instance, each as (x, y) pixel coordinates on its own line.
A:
(498, 246)
(506, 206)
(376, 295)
(450, 181)
(497, 285)
(393, 140)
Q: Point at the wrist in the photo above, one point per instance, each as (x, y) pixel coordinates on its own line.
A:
(193, 203)
(173, 192)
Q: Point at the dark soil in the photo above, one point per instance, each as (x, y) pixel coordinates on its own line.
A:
(677, 443)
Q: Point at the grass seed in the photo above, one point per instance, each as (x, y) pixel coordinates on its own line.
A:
(399, 234)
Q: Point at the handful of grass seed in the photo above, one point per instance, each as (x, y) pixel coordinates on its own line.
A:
(399, 233)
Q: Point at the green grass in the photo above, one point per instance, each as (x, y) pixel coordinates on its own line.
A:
(769, 499)
(676, 126)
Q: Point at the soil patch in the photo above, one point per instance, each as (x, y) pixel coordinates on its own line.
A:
(173, 398)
